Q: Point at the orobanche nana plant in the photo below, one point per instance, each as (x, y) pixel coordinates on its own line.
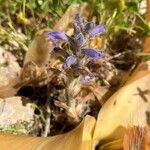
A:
(83, 69)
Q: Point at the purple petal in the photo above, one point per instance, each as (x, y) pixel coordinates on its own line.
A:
(80, 38)
(97, 30)
(56, 35)
(69, 61)
(93, 53)
(87, 78)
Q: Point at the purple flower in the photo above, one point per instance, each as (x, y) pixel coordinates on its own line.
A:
(96, 31)
(78, 42)
(75, 56)
(93, 53)
(69, 61)
(87, 28)
(56, 35)
(86, 79)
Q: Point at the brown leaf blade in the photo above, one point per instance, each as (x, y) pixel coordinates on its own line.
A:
(128, 106)
(78, 139)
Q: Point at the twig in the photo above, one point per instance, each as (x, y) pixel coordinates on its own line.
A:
(115, 56)
(47, 121)
(48, 115)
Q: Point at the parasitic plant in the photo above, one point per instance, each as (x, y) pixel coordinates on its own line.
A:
(81, 69)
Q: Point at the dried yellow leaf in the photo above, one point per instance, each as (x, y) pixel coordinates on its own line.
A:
(78, 139)
(128, 106)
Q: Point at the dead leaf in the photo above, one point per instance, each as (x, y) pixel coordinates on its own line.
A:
(96, 43)
(134, 138)
(39, 50)
(128, 106)
(78, 139)
(2, 31)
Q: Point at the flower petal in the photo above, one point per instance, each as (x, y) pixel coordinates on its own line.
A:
(97, 30)
(93, 53)
(69, 61)
(56, 35)
(87, 78)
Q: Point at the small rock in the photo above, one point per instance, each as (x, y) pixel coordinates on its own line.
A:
(12, 111)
